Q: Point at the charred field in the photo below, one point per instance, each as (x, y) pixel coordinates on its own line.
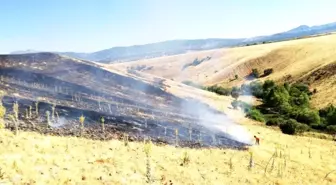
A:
(68, 88)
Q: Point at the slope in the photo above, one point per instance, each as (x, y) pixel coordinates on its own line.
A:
(86, 88)
(31, 158)
(294, 59)
(68, 88)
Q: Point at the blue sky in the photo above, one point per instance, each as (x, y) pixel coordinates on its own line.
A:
(91, 25)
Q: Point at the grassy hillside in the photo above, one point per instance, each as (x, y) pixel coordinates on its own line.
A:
(301, 59)
(139, 106)
(131, 101)
(31, 158)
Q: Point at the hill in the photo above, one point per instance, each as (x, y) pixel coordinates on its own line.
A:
(310, 60)
(167, 48)
(72, 88)
(135, 105)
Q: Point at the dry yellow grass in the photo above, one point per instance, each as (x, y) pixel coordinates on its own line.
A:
(37, 159)
(297, 58)
(31, 158)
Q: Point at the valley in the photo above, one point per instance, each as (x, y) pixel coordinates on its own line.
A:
(156, 129)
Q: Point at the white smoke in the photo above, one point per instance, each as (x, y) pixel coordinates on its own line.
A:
(218, 122)
(61, 121)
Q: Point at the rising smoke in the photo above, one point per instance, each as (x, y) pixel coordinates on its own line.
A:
(217, 122)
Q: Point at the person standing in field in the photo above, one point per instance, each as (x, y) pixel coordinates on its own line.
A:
(257, 140)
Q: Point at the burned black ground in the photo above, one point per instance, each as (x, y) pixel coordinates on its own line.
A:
(77, 88)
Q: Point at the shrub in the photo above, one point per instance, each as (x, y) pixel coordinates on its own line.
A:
(285, 108)
(268, 71)
(219, 90)
(331, 129)
(318, 126)
(235, 92)
(256, 89)
(275, 122)
(276, 96)
(292, 127)
(255, 73)
(300, 128)
(288, 127)
(308, 116)
(301, 87)
(328, 114)
(314, 91)
(255, 115)
(327, 111)
(268, 85)
(287, 86)
(300, 99)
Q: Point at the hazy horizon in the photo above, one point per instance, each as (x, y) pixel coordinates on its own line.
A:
(89, 26)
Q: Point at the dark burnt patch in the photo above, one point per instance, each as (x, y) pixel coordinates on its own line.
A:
(129, 106)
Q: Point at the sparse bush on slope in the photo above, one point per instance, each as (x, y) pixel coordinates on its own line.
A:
(219, 90)
(255, 114)
(285, 102)
(268, 71)
(288, 102)
(275, 121)
(308, 116)
(331, 129)
(292, 127)
(328, 115)
(235, 92)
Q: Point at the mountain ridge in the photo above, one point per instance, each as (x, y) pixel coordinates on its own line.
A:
(172, 47)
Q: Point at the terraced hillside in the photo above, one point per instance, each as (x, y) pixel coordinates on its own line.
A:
(310, 59)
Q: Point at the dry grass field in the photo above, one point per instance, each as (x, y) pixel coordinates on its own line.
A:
(302, 59)
(31, 158)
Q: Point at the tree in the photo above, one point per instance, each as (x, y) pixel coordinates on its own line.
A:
(235, 92)
(308, 116)
(219, 90)
(329, 115)
(255, 114)
(276, 97)
(299, 99)
(301, 87)
(268, 85)
(256, 89)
